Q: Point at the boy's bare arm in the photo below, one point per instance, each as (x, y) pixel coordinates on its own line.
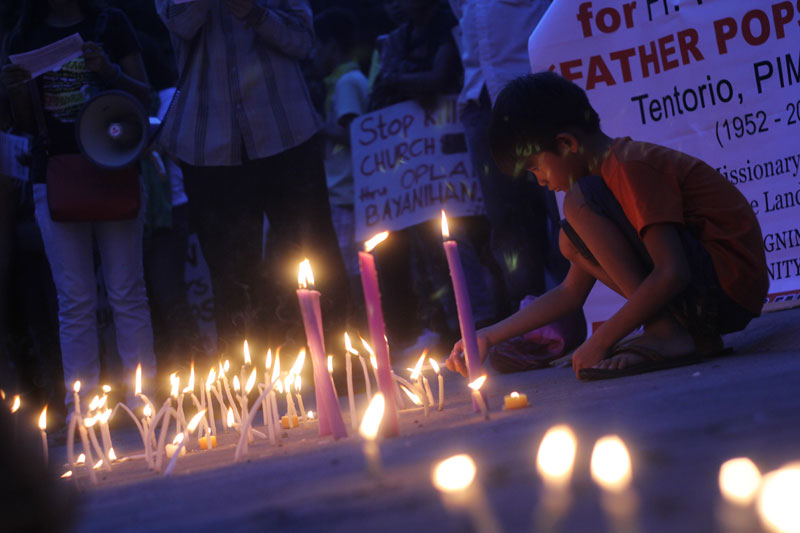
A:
(567, 297)
(669, 277)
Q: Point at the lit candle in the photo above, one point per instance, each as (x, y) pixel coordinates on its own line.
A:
(373, 362)
(291, 412)
(241, 447)
(348, 365)
(299, 396)
(89, 423)
(251, 381)
(330, 414)
(464, 307)
(224, 372)
(208, 442)
(141, 395)
(777, 499)
(411, 395)
(162, 437)
(455, 479)
(739, 481)
(170, 449)
(105, 434)
(330, 373)
(478, 397)
(190, 427)
(42, 428)
(515, 400)
(435, 366)
(76, 389)
(87, 452)
(554, 462)
(265, 414)
(611, 470)
(273, 398)
(368, 430)
(415, 377)
(212, 376)
(377, 329)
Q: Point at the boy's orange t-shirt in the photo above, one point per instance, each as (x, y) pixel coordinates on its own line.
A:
(655, 184)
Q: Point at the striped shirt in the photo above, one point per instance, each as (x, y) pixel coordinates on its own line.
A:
(244, 87)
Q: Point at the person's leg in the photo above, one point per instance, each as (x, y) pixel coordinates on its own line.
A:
(607, 247)
(69, 250)
(226, 215)
(120, 247)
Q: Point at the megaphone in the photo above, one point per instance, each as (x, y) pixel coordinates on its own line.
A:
(112, 130)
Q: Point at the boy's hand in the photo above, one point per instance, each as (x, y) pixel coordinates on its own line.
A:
(587, 355)
(457, 361)
(97, 61)
(12, 76)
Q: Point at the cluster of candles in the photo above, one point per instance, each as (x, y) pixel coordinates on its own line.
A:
(775, 495)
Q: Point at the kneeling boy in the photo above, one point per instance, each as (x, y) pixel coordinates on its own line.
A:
(660, 227)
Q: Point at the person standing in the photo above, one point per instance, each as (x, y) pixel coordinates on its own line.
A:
(244, 127)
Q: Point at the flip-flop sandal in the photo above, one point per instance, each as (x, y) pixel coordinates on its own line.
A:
(653, 361)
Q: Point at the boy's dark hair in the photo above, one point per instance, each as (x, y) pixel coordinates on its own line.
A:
(338, 25)
(528, 114)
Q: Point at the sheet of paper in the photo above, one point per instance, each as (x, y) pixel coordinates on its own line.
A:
(50, 57)
(11, 148)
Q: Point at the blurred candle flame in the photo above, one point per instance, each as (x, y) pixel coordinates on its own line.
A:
(414, 398)
(372, 417)
(434, 365)
(305, 277)
(251, 381)
(348, 346)
(739, 480)
(454, 474)
(43, 419)
(418, 367)
(778, 499)
(195, 420)
(15, 403)
(81, 459)
(297, 367)
(371, 243)
(611, 464)
(229, 420)
(190, 385)
(246, 351)
(445, 227)
(174, 382)
(212, 376)
(556, 455)
(330, 363)
(478, 383)
(138, 389)
(76, 387)
(236, 385)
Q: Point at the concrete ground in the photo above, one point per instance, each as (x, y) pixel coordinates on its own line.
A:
(679, 424)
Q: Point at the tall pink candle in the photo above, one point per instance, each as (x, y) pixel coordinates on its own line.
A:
(377, 330)
(330, 414)
(464, 307)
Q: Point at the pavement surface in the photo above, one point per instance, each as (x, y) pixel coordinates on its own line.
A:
(679, 425)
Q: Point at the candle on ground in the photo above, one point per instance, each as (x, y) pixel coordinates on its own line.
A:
(554, 462)
(212, 377)
(330, 373)
(251, 381)
(330, 414)
(377, 329)
(515, 400)
(105, 434)
(170, 449)
(89, 423)
(190, 427)
(299, 396)
(478, 397)
(43, 428)
(464, 307)
(368, 430)
(264, 410)
(209, 438)
(455, 479)
(435, 367)
(416, 373)
(348, 365)
(291, 412)
(611, 470)
(288, 423)
(273, 397)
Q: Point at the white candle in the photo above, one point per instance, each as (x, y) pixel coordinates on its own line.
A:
(212, 376)
(162, 437)
(350, 395)
(477, 396)
(87, 452)
(299, 396)
(42, 428)
(190, 427)
(435, 366)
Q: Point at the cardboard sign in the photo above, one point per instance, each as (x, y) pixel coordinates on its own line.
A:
(408, 164)
(716, 79)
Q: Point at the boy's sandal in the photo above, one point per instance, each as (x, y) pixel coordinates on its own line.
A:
(653, 361)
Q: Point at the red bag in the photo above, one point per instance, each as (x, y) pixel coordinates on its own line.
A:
(78, 191)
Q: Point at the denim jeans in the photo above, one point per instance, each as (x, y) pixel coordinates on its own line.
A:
(69, 248)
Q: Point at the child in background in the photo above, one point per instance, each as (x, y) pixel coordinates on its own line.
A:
(347, 92)
(660, 227)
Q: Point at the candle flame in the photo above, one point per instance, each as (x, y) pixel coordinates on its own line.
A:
(434, 365)
(276, 369)
(147, 412)
(330, 363)
(418, 367)
(229, 420)
(279, 386)
(454, 474)
(226, 366)
(297, 367)
(375, 241)
(105, 416)
(190, 385)
(43, 419)
(95, 403)
(268, 362)
(372, 417)
(246, 351)
(212, 376)
(112, 455)
(195, 420)
(739, 480)
(2, 394)
(178, 439)
(66, 474)
(76, 387)
(367, 347)
(414, 398)
(106, 388)
(98, 464)
(236, 385)
(556, 455)
(611, 464)
(251, 381)
(310, 415)
(175, 383)
(81, 459)
(515, 394)
(90, 421)
(777, 501)
(305, 277)
(138, 389)
(287, 383)
(15, 403)
(297, 383)
(478, 383)
(445, 227)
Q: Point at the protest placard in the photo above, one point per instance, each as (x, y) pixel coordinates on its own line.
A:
(716, 79)
(409, 163)
(50, 57)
